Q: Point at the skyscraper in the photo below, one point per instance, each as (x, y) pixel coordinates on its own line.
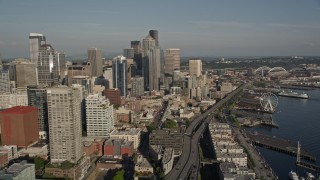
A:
(95, 58)
(136, 45)
(153, 56)
(35, 42)
(128, 53)
(47, 65)
(64, 116)
(61, 64)
(147, 43)
(37, 97)
(24, 73)
(137, 86)
(154, 35)
(195, 67)
(99, 116)
(119, 70)
(4, 81)
(172, 60)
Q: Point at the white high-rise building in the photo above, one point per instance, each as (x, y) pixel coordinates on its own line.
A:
(95, 58)
(195, 67)
(99, 116)
(147, 43)
(154, 68)
(172, 60)
(35, 42)
(108, 76)
(64, 117)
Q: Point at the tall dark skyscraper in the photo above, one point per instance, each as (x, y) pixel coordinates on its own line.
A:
(154, 35)
(120, 76)
(37, 97)
(136, 45)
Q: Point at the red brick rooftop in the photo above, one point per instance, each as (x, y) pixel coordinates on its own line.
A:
(19, 110)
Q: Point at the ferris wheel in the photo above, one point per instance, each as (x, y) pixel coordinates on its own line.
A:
(268, 102)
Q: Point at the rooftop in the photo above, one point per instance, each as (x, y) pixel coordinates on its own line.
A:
(16, 168)
(128, 131)
(167, 156)
(19, 110)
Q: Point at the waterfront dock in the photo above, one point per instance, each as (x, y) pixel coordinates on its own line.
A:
(309, 166)
(278, 144)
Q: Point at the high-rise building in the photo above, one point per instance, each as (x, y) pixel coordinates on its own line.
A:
(61, 64)
(113, 95)
(154, 35)
(0, 61)
(119, 70)
(37, 97)
(4, 81)
(136, 45)
(19, 126)
(99, 116)
(128, 53)
(195, 67)
(107, 74)
(23, 73)
(172, 60)
(47, 65)
(95, 58)
(64, 117)
(147, 43)
(35, 42)
(153, 56)
(137, 86)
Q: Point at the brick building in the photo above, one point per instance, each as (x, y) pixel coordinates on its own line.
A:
(19, 126)
(113, 95)
(118, 147)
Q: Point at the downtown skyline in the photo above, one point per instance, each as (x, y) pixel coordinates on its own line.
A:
(206, 28)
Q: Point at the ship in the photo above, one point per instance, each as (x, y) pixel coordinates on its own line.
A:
(293, 94)
(293, 175)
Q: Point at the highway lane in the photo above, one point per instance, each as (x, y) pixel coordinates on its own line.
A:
(187, 160)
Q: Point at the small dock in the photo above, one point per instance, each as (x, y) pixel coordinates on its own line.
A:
(278, 144)
(309, 166)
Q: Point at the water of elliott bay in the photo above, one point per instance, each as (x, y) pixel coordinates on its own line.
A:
(299, 120)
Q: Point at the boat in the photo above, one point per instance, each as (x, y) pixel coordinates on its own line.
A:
(293, 94)
(293, 175)
(310, 176)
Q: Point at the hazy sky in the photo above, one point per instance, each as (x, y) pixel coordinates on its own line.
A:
(197, 27)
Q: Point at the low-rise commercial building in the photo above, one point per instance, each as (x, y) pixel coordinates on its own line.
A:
(142, 165)
(168, 139)
(118, 148)
(129, 134)
(167, 160)
(19, 171)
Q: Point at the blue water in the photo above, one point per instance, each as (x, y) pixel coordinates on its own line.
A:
(299, 120)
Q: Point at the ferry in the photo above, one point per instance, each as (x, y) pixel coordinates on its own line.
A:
(293, 94)
(293, 175)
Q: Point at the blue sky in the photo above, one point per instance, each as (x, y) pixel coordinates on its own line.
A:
(198, 28)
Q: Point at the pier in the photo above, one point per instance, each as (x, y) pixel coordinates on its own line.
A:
(278, 144)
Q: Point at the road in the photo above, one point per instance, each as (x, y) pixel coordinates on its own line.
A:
(189, 160)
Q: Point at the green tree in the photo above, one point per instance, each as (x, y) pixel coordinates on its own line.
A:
(119, 175)
(39, 163)
(170, 124)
